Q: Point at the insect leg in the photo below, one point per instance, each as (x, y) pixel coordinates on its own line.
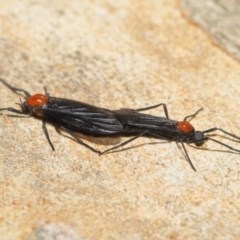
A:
(221, 130)
(193, 115)
(223, 144)
(155, 106)
(47, 134)
(225, 132)
(46, 91)
(188, 158)
(10, 109)
(78, 140)
(185, 151)
(14, 89)
(125, 142)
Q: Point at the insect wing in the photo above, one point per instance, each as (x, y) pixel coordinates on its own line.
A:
(81, 117)
(146, 121)
(159, 127)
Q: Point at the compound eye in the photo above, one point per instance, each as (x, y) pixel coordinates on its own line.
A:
(37, 100)
(199, 138)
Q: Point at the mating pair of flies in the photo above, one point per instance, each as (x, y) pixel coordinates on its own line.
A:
(76, 117)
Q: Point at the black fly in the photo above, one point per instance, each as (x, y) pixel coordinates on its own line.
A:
(77, 117)
(139, 124)
(67, 115)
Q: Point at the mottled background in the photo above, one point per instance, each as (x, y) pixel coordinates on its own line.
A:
(117, 54)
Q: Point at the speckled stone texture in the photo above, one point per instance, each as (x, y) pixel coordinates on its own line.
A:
(116, 54)
(220, 19)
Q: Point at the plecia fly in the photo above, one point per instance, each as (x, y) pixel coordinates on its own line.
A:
(76, 117)
(67, 115)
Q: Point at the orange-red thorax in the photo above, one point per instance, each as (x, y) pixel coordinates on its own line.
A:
(185, 127)
(37, 100)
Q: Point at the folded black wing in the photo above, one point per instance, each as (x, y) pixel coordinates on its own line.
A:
(134, 118)
(135, 122)
(81, 117)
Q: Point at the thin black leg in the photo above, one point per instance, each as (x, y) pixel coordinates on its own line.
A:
(221, 130)
(188, 158)
(193, 115)
(10, 109)
(46, 91)
(78, 140)
(155, 106)
(223, 144)
(14, 89)
(47, 135)
(125, 142)
(220, 143)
